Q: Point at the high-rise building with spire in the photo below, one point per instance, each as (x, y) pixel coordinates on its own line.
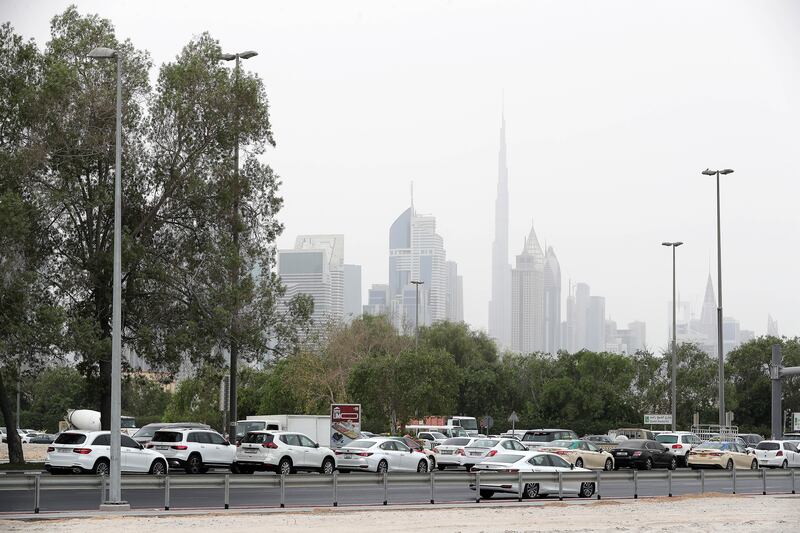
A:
(500, 304)
(527, 298)
(772, 327)
(708, 318)
(552, 302)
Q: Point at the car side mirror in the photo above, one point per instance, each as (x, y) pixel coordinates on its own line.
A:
(571, 466)
(316, 445)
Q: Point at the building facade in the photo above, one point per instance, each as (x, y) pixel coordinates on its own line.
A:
(527, 298)
(500, 303)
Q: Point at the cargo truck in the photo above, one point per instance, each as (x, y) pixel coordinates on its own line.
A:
(316, 427)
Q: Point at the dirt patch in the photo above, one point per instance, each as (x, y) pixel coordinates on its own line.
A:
(33, 453)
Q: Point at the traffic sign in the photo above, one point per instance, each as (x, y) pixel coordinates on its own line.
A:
(487, 422)
(650, 420)
(513, 418)
(796, 421)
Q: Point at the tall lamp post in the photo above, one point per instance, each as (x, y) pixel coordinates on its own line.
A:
(673, 386)
(234, 347)
(416, 317)
(720, 352)
(114, 501)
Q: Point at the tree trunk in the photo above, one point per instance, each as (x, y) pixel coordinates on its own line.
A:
(15, 455)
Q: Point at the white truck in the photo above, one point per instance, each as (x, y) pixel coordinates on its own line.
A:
(316, 427)
(89, 420)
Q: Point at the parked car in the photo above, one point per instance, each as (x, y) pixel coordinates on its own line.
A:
(84, 452)
(513, 462)
(450, 453)
(146, 432)
(643, 454)
(433, 436)
(193, 449)
(679, 443)
(380, 454)
(533, 438)
(42, 438)
(716, 454)
(581, 453)
(777, 454)
(424, 447)
(751, 439)
(284, 452)
(632, 433)
(600, 439)
(480, 449)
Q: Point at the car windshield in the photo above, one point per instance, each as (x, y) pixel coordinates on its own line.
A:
(127, 422)
(564, 444)
(715, 445)
(468, 423)
(768, 446)
(458, 441)
(167, 436)
(437, 435)
(248, 426)
(145, 432)
(361, 444)
(505, 458)
(538, 436)
(258, 438)
(484, 443)
(71, 438)
(667, 439)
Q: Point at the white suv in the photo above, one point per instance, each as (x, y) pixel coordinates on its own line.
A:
(282, 452)
(679, 443)
(89, 451)
(193, 449)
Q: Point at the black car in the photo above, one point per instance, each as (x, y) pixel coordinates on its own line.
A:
(42, 438)
(751, 439)
(643, 454)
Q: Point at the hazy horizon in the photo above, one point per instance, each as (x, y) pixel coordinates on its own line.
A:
(612, 110)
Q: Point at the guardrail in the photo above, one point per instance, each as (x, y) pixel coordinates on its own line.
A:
(36, 482)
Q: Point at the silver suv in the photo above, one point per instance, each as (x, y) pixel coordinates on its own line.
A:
(192, 449)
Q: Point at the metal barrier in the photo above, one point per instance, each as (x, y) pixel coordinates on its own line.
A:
(481, 482)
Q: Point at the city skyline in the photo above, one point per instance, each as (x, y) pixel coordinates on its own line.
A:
(611, 114)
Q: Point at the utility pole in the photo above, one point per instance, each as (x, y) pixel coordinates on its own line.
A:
(234, 275)
(673, 386)
(416, 318)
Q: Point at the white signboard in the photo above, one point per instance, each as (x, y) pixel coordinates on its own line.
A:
(650, 420)
(796, 421)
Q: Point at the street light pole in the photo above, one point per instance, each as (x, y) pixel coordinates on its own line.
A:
(720, 352)
(115, 501)
(673, 386)
(416, 318)
(234, 344)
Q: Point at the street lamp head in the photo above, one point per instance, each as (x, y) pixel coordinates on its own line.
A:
(102, 53)
(417, 282)
(676, 244)
(666, 244)
(227, 57)
(726, 171)
(250, 53)
(708, 172)
(244, 55)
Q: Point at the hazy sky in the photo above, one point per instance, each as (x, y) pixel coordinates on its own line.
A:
(612, 110)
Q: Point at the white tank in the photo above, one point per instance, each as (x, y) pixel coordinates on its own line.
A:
(84, 419)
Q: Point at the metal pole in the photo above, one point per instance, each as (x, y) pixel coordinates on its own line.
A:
(433, 487)
(597, 483)
(283, 490)
(166, 493)
(669, 483)
(733, 472)
(702, 482)
(674, 346)
(416, 317)
(560, 488)
(635, 485)
(335, 489)
(36, 494)
(234, 344)
(227, 491)
(764, 481)
(385, 488)
(775, 377)
(477, 487)
(115, 488)
(519, 486)
(720, 352)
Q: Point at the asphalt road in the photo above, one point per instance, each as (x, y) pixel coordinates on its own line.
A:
(398, 493)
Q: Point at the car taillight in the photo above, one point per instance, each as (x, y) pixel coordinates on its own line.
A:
(149, 446)
(364, 454)
(460, 451)
(51, 449)
(179, 447)
(270, 445)
(436, 450)
(716, 454)
(238, 444)
(779, 454)
(636, 454)
(491, 453)
(677, 446)
(82, 451)
(561, 452)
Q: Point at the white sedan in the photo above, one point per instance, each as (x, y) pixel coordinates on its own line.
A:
(380, 455)
(777, 454)
(481, 449)
(450, 453)
(513, 462)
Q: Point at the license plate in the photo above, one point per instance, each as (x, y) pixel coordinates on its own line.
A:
(622, 454)
(249, 450)
(447, 452)
(348, 456)
(162, 447)
(64, 450)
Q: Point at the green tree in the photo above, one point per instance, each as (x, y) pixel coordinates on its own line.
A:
(144, 399)
(49, 394)
(697, 386)
(197, 399)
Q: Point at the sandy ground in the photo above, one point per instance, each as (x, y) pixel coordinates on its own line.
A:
(33, 452)
(708, 513)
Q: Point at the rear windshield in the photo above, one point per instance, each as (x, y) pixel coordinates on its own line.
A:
(361, 444)
(167, 436)
(145, 432)
(505, 458)
(635, 444)
(715, 445)
(70, 438)
(458, 441)
(258, 438)
(565, 444)
(485, 443)
(667, 439)
(539, 436)
(768, 446)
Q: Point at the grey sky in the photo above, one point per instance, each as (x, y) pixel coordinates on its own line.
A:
(612, 110)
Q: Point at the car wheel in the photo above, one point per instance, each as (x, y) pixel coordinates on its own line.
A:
(285, 466)
(469, 467)
(729, 465)
(486, 494)
(101, 467)
(587, 489)
(422, 467)
(195, 464)
(579, 463)
(673, 464)
(441, 467)
(158, 468)
(531, 490)
(754, 465)
(609, 465)
(383, 467)
(648, 465)
(327, 466)
(784, 464)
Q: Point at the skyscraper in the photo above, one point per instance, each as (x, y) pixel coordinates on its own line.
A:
(708, 318)
(500, 304)
(455, 293)
(552, 302)
(596, 324)
(308, 272)
(352, 291)
(772, 327)
(378, 300)
(527, 298)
